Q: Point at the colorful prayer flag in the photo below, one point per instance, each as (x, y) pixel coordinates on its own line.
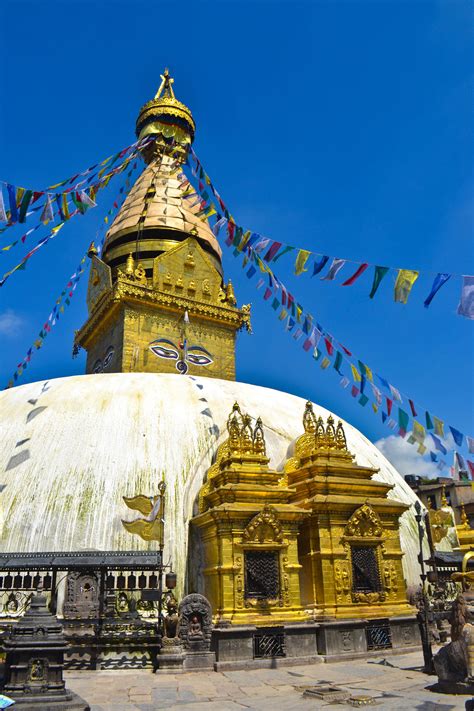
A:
(466, 304)
(439, 280)
(301, 259)
(3, 213)
(338, 362)
(379, 274)
(457, 436)
(404, 284)
(438, 426)
(356, 275)
(319, 266)
(335, 267)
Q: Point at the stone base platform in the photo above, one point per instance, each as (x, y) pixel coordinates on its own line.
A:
(69, 702)
(245, 646)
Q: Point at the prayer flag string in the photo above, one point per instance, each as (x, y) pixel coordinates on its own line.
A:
(64, 299)
(314, 262)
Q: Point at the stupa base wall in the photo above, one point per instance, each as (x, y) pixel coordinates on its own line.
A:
(247, 646)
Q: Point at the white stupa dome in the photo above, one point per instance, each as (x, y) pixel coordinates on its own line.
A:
(71, 448)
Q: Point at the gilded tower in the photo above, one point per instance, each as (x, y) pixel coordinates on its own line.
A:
(156, 298)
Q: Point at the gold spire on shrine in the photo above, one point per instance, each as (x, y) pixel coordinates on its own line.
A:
(165, 115)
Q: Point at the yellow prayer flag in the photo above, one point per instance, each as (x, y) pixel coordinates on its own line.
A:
(439, 426)
(375, 407)
(355, 374)
(301, 259)
(325, 362)
(404, 284)
(299, 312)
(418, 432)
(283, 314)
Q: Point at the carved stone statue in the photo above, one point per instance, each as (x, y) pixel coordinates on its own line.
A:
(195, 622)
(171, 619)
(454, 663)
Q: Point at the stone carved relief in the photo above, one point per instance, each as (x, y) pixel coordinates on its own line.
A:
(263, 528)
(82, 595)
(195, 622)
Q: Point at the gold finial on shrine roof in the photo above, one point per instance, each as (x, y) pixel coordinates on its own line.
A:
(464, 518)
(444, 500)
(319, 439)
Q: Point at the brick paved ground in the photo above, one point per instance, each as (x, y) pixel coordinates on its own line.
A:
(399, 684)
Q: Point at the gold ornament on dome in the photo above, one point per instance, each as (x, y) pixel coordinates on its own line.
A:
(318, 439)
(244, 443)
(165, 103)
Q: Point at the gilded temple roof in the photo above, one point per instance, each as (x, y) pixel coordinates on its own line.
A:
(168, 208)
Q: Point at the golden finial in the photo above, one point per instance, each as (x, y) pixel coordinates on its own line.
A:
(230, 296)
(130, 266)
(246, 436)
(464, 518)
(92, 251)
(330, 432)
(259, 438)
(166, 87)
(444, 501)
(309, 418)
(341, 441)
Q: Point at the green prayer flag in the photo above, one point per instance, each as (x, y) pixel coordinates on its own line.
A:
(363, 400)
(25, 201)
(275, 304)
(379, 274)
(338, 362)
(403, 419)
(287, 249)
(429, 422)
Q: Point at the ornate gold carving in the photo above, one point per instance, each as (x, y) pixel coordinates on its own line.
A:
(192, 286)
(263, 528)
(206, 287)
(318, 439)
(390, 576)
(230, 296)
(364, 523)
(342, 582)
(259, 438)
(189, 261)
(368, 598)
(179, 282)
(245, 311)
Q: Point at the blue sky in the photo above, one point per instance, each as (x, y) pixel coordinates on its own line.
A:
(341, 127)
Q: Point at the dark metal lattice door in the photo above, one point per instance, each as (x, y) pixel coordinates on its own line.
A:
(262, 580)
(365, 570)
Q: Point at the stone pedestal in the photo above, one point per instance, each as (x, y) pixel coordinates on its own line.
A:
(34, 662)
(171, 657)
(199, 661)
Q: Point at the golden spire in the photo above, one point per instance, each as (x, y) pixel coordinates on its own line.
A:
(165, 116)
(464, 519)
(166, 87)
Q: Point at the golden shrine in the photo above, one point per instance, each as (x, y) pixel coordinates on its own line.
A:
(321, 536)
(249, 532)
(156, 298)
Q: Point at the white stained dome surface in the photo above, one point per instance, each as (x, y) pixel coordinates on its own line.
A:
(71, 448)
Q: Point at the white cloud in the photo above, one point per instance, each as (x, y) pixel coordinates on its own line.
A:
(10, 323)
(405, 457)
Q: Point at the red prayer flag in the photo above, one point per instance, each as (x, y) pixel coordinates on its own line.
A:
(329, 346)
(267, 294)
(345, 350)
(356, 275)
(471, 468)
(389, 405)
(412, 406)
(354, 391)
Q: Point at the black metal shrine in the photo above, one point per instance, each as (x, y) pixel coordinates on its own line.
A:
(100, 596)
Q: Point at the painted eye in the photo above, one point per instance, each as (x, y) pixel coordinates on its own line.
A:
(163, 352)
(108, 357)
(199, 359)
(98, 367)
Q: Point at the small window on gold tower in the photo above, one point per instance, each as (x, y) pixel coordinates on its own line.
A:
(262, 580)
(365, 570)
